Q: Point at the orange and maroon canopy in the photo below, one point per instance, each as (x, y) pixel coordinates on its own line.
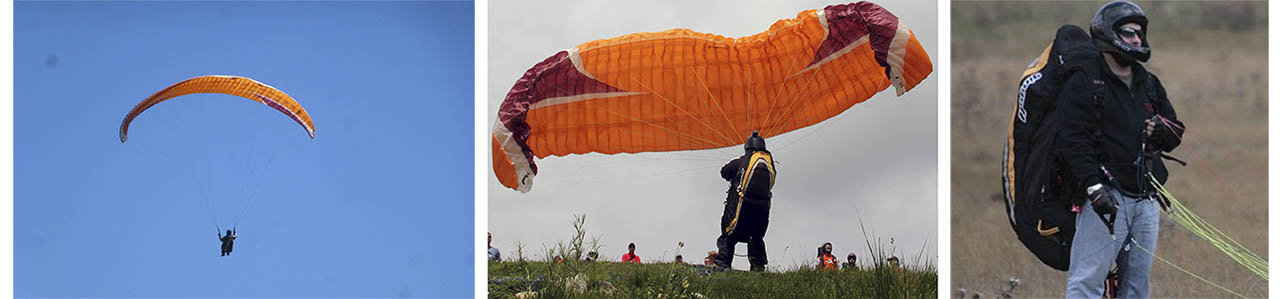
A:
(684, 90)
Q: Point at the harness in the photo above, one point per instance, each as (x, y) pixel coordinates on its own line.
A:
(747, 172)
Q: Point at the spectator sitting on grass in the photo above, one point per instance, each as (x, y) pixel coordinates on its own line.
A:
(852, 263)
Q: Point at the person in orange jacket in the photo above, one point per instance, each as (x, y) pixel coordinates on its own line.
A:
(826, 260)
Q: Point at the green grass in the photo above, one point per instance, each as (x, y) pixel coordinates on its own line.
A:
(577, 278)
(555, 280)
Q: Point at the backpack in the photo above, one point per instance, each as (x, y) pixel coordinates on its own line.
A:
(756, 181)
(1039, 192)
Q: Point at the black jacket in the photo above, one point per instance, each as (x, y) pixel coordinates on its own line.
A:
(1120, 120)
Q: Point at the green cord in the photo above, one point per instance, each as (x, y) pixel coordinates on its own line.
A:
(1135, 244)
(1184, 217)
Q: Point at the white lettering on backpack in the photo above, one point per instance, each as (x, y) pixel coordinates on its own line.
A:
(1022, 95)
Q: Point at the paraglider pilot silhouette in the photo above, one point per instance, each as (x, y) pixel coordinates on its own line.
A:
(746, 208)
(227, 241)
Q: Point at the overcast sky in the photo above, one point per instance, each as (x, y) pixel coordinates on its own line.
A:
(876, 163)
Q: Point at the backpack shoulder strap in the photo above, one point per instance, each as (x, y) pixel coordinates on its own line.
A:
(1097, 95)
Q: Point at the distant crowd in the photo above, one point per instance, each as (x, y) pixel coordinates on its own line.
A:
(826, 260)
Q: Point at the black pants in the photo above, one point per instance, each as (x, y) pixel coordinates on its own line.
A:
(753, 221)
(226, 249)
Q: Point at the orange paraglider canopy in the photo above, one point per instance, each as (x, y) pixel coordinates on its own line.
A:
(684, 90)
(231, 85)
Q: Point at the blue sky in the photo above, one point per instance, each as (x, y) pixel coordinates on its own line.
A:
(379, 204)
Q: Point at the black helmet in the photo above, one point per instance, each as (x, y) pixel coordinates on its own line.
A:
(755, 142)
(228, 232)
(1105, 31)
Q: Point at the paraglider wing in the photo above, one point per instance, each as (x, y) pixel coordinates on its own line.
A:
(231, 85)
(684, 90)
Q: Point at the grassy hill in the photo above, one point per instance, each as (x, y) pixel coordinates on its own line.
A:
(577, 279)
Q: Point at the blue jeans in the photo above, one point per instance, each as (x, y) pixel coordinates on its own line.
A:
(1094, 249)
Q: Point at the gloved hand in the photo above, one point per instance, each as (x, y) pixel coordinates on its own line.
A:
(1103, 202)
(1150, 126)
(1163, 134)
